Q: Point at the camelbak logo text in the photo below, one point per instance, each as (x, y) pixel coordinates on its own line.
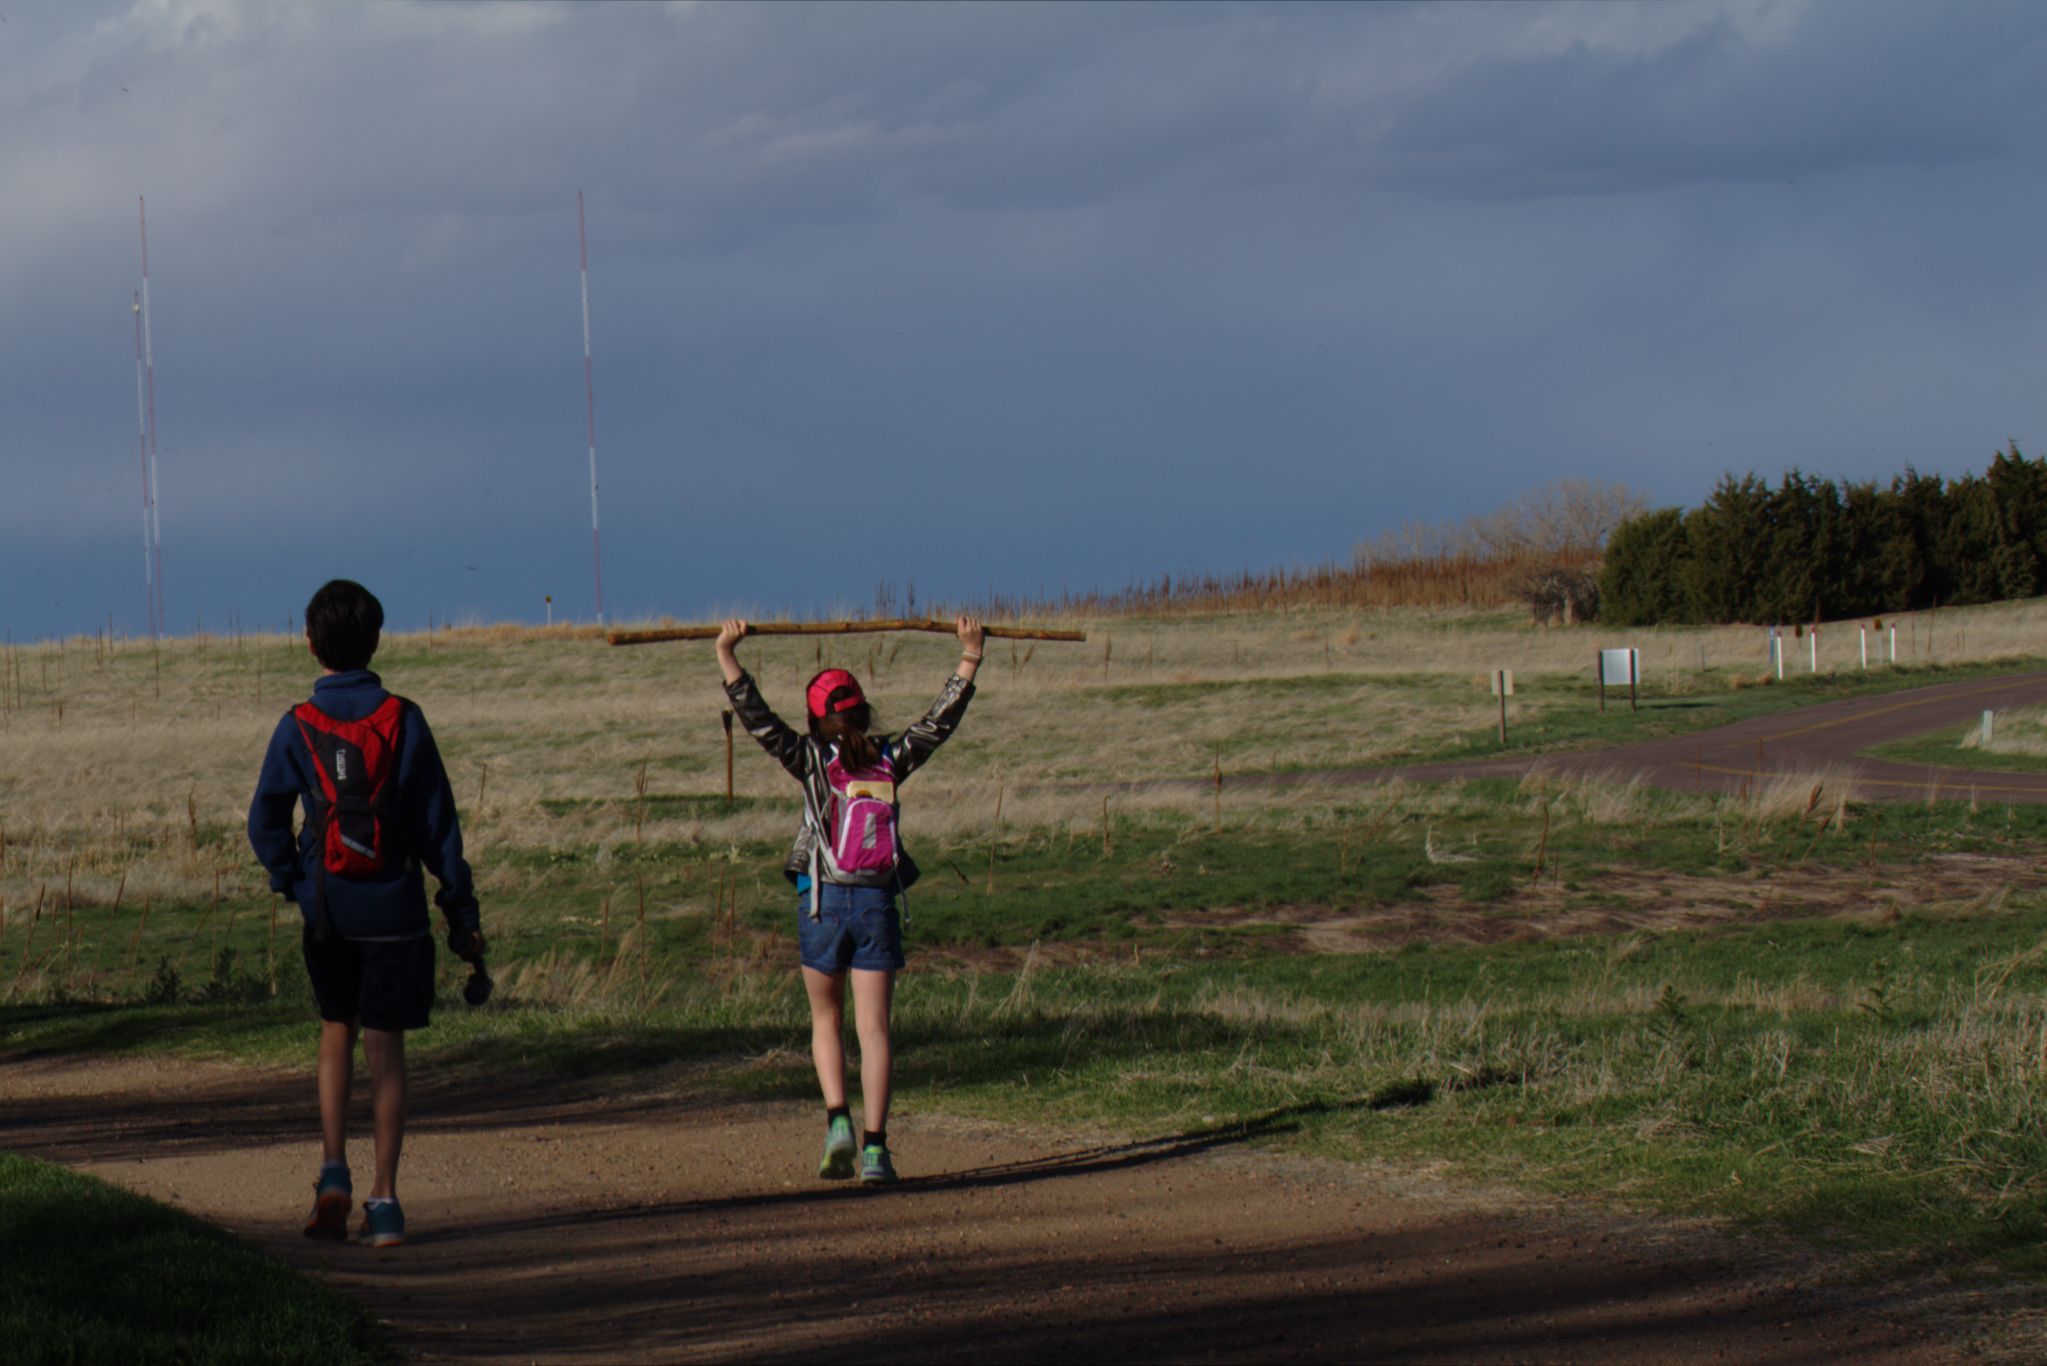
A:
(340, 765)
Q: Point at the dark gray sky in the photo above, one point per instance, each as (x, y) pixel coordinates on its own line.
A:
(972, 296)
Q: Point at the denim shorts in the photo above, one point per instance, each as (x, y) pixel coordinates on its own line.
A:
(856, 927)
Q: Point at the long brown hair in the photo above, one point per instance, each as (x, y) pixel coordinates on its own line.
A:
(848, 730)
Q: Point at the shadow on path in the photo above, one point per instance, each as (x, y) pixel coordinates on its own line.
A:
(1097, 1160)
(568, 1226)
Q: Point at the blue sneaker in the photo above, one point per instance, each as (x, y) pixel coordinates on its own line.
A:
(383, 1224)
(837, 1163)
(877, 1168)
(332, 1195)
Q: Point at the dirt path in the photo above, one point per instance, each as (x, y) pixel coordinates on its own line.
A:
(1824, 737)
(553, 1225)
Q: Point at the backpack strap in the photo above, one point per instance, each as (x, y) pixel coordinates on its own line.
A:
(320, 797)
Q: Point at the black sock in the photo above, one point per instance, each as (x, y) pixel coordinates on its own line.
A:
(874, 1138)
(838, 1112)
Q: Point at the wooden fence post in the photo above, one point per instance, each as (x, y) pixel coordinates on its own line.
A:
(726, 717)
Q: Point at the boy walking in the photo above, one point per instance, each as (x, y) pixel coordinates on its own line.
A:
(378, 807)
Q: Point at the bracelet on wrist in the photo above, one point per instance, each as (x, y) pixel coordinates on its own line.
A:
(971, 659)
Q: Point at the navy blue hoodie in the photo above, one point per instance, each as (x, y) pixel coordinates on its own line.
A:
(392, 904)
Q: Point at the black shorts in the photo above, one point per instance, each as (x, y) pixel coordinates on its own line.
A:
(382, 984)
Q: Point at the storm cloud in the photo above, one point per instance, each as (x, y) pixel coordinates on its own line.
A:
(971, 296)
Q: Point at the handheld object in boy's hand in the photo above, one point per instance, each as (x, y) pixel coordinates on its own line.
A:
(468, 946)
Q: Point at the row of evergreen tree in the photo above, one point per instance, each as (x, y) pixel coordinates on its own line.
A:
(1812, 548)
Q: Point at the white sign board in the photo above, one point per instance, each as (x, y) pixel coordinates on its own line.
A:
(1503, 682)
(1618, 668)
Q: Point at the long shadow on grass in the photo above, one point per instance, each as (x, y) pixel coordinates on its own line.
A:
(561, 1073)
(568, 1075)
(72, 1028)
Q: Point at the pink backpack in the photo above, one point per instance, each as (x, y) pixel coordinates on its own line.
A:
(861, 821)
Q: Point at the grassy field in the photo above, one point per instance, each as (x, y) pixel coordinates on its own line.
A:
(1782, 1007)
(95, 1274)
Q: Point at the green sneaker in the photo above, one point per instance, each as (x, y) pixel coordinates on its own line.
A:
(876, 1167)
(383, 1224)
(837, 1164)
(332, 1196)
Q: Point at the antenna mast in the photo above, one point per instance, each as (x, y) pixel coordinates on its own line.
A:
(142, 454)
(155, 482)
(590, 403)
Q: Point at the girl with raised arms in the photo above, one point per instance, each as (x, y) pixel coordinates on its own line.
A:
(850, 869)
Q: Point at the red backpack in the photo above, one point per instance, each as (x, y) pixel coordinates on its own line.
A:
(354, 810)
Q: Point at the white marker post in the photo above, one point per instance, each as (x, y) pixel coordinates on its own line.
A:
(1865, 648)
(590, 403)
(1894, 645)
(1815, 643)
(1988, 725)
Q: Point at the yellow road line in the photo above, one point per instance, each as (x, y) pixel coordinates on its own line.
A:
(2004, 686)
(1935, 782)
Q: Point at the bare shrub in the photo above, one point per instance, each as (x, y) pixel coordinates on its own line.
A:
(1479, 562)
(1560, 595)
(1566, 521)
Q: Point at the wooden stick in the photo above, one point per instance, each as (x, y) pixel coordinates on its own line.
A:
(833, 628)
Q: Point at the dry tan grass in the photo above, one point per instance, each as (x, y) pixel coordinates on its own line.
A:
(136, 762)
(2022, 730)
(1821, 796)
(1607, 801)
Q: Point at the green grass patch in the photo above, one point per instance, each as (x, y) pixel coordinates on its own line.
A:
(1868, 1081)
(1944, 749)
(1165, 696)
(667, 805)
(1159, 880)
(96, 1274)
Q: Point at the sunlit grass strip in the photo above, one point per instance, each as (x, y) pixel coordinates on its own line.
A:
(585, 919)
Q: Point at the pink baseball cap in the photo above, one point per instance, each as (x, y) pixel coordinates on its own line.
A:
(834, 691)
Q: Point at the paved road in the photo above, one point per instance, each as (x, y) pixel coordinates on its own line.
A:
(1827, 738)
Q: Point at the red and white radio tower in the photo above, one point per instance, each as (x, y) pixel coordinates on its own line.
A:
(152, 478)
(590, 405)
(142, 453)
